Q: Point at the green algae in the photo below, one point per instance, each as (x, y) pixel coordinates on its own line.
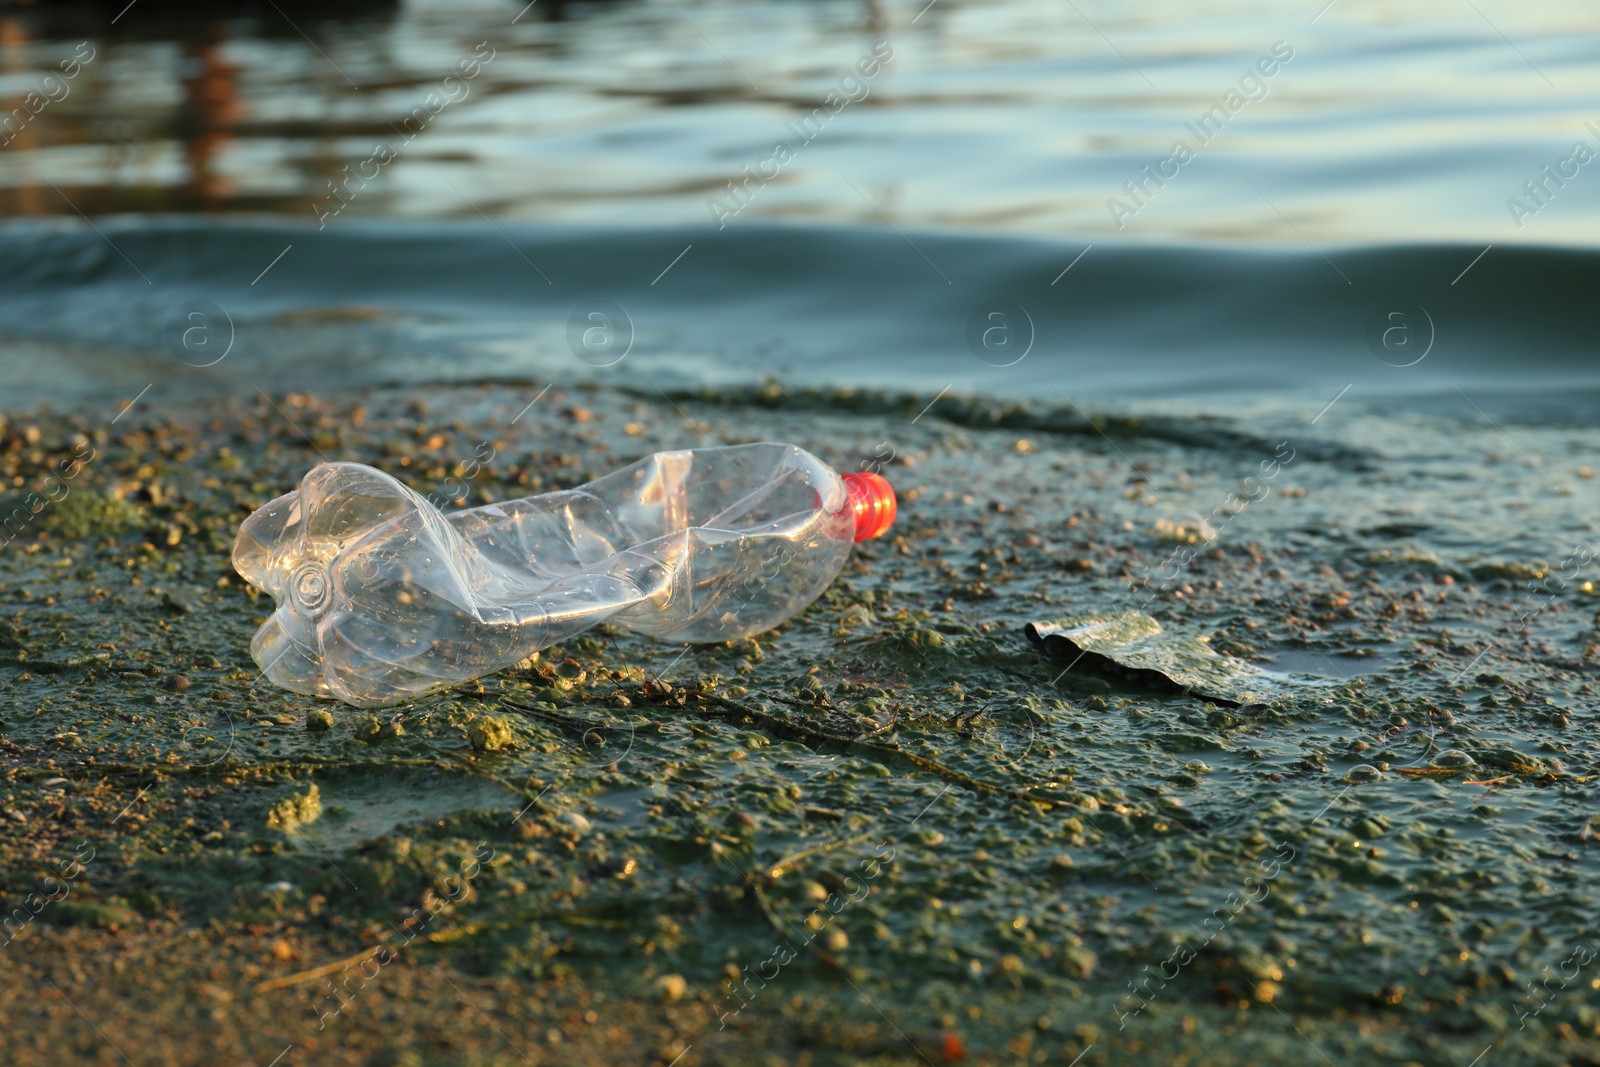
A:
(296, 809)
(490, 733)
(83, 515)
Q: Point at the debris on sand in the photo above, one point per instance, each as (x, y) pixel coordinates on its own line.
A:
(1132, 646)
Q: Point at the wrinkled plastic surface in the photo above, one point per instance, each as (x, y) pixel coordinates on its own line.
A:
(382, 598)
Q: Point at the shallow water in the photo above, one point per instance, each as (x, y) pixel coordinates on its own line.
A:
(180, 305)
(951, 226)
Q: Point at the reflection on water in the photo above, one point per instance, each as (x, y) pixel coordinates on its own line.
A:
(209, 109)
(1417, 119)
(22, 199)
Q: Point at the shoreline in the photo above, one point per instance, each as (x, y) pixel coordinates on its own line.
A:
(637, 884)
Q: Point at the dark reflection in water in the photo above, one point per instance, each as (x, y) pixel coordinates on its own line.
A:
(193, 41)
(159, 20)
(21, 199)
(210, 108)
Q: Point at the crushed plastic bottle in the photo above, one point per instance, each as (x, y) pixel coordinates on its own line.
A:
(382, 598)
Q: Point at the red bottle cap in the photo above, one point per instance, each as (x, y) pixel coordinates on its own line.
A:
(872, 500)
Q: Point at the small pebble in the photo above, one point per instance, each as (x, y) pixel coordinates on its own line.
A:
(175, 682)
(671, 988)
(319, 719)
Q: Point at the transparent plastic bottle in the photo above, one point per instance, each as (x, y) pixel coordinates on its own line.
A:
(381, 598)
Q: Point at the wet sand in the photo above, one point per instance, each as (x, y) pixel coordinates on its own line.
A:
(890, 832)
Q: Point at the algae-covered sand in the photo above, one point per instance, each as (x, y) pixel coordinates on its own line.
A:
(890, 832)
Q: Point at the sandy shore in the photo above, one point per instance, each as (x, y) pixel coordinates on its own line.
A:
(887, 833)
